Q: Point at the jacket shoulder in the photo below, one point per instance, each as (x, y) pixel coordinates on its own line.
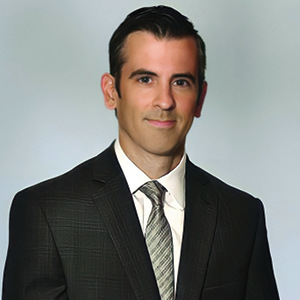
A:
(75, 183)
(226, 193)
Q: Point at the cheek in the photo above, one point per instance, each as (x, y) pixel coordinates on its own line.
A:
(187, 108)
(127, 112)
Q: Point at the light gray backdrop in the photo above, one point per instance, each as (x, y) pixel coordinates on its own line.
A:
(52, 55)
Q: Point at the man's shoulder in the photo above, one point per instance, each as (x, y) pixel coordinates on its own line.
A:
(227, 194)
(77, 182)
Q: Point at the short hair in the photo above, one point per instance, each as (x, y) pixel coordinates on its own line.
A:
(162, 22)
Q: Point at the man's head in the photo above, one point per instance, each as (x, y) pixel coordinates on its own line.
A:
(164, 23)
(156, 85)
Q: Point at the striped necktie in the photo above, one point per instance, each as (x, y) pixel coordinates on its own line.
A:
(159, 240)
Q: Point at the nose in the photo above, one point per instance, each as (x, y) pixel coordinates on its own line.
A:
(164, 98)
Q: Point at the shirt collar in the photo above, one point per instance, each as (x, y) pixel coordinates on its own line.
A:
(173, 181)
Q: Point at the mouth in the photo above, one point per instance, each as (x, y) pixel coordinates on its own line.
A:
(161, 123)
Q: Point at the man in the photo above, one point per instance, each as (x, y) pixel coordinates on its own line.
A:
(94, 232)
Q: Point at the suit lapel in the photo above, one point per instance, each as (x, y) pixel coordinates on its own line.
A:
(199, 228)
(116, 207)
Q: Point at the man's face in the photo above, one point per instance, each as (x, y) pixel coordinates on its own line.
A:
(159, 88)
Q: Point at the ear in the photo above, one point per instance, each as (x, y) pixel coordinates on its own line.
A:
(201, 100)
(108, 90)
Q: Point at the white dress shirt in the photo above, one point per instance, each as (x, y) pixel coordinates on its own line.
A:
(174, 204)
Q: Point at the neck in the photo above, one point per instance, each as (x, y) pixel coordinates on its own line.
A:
(154, 165)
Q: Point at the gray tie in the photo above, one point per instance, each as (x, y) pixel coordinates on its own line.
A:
(159, 240)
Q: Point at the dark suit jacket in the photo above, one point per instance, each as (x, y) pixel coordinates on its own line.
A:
(78, 237)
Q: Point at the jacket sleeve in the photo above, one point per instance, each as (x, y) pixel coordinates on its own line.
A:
(33, 268)
(261, 283)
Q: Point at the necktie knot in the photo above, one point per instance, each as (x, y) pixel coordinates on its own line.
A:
(154, 191)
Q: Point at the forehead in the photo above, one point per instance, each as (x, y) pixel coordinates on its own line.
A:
(143, 49)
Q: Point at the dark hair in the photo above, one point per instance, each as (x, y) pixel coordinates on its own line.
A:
(162, 22)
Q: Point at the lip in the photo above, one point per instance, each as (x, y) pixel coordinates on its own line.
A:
(162, 123)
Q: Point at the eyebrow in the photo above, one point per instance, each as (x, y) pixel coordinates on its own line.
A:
(142, 72)
(187, 75)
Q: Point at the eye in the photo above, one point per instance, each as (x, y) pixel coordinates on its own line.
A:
(181, 82)
(145, 79)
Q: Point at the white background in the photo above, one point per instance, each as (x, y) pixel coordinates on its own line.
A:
(52, 116)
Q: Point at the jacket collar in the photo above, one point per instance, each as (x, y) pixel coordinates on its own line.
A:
(115, 205)
(199, 228)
